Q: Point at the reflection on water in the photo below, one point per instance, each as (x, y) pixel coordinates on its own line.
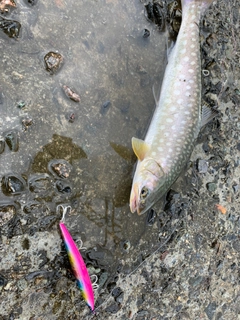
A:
(113, 67)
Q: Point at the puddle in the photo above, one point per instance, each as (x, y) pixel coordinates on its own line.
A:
(110, 62)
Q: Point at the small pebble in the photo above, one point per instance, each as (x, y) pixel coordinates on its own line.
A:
(211, 186)
(202, 166)
(146, 33)
(71, 94)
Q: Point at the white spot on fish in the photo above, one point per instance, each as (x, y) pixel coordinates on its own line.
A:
(190, 70)
(180, 67)
(183, 51)
(173, 108)
(188, 87)
(192, 25)
(154, 153)
(168, 100)
(162, 127)
(192, 45)
(177, 84)
(160, 149)
(186, 58)
(177, 92)
(179, 101)
(193, 54)
(169, 120)
(187, 94)
(192, 63)
(182, 77)
(170, 150)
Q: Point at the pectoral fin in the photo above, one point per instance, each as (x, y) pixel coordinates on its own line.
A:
(140, 148)
(207, 114)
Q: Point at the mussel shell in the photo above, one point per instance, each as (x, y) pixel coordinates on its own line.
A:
(7, 211)
(63, 187)
(11, 138)
(60, 168)
(13, 184)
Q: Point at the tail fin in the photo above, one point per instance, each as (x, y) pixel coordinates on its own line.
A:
(204, 3)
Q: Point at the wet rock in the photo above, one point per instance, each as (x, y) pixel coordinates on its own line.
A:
(126, 245)
(7, 211)
(60, 168)
(151, 217)
(25, 244)
(71, 94)
(31, 2)
(113, 308)
(53, 61)
(21, 104)
(211, 186)
(235, 188)
(195, 281)
(149, 12)
(39, 183)
(3, 281)
(2, 145)
(10, 27)
(46, 222)
(105, 107)
(71, 117)
(210, 310)
(202, 166)
(159, 16)
(13, 184)
(146, 33)
(118, 294)
(12, 141)
(102, 279)
(26, 123)
(63, 187)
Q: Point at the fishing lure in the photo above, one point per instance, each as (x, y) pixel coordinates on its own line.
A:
(77, 262)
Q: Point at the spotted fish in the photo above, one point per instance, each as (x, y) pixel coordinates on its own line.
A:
(178, 116)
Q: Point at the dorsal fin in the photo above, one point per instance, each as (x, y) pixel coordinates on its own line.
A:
(140, 148)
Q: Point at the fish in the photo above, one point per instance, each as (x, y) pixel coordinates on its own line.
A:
(178, 116)
(77, 263)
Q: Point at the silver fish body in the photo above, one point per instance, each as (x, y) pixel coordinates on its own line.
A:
(177, 119)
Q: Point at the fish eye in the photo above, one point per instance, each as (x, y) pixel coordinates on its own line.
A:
(144, 193)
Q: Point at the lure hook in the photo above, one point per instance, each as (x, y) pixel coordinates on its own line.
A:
(64, 209)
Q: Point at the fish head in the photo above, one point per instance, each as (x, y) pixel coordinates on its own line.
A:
(148, 185)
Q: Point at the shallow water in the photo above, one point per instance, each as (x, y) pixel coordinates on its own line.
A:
(113, 68)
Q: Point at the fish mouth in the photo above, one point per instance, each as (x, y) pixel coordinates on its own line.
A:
(137, 204)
